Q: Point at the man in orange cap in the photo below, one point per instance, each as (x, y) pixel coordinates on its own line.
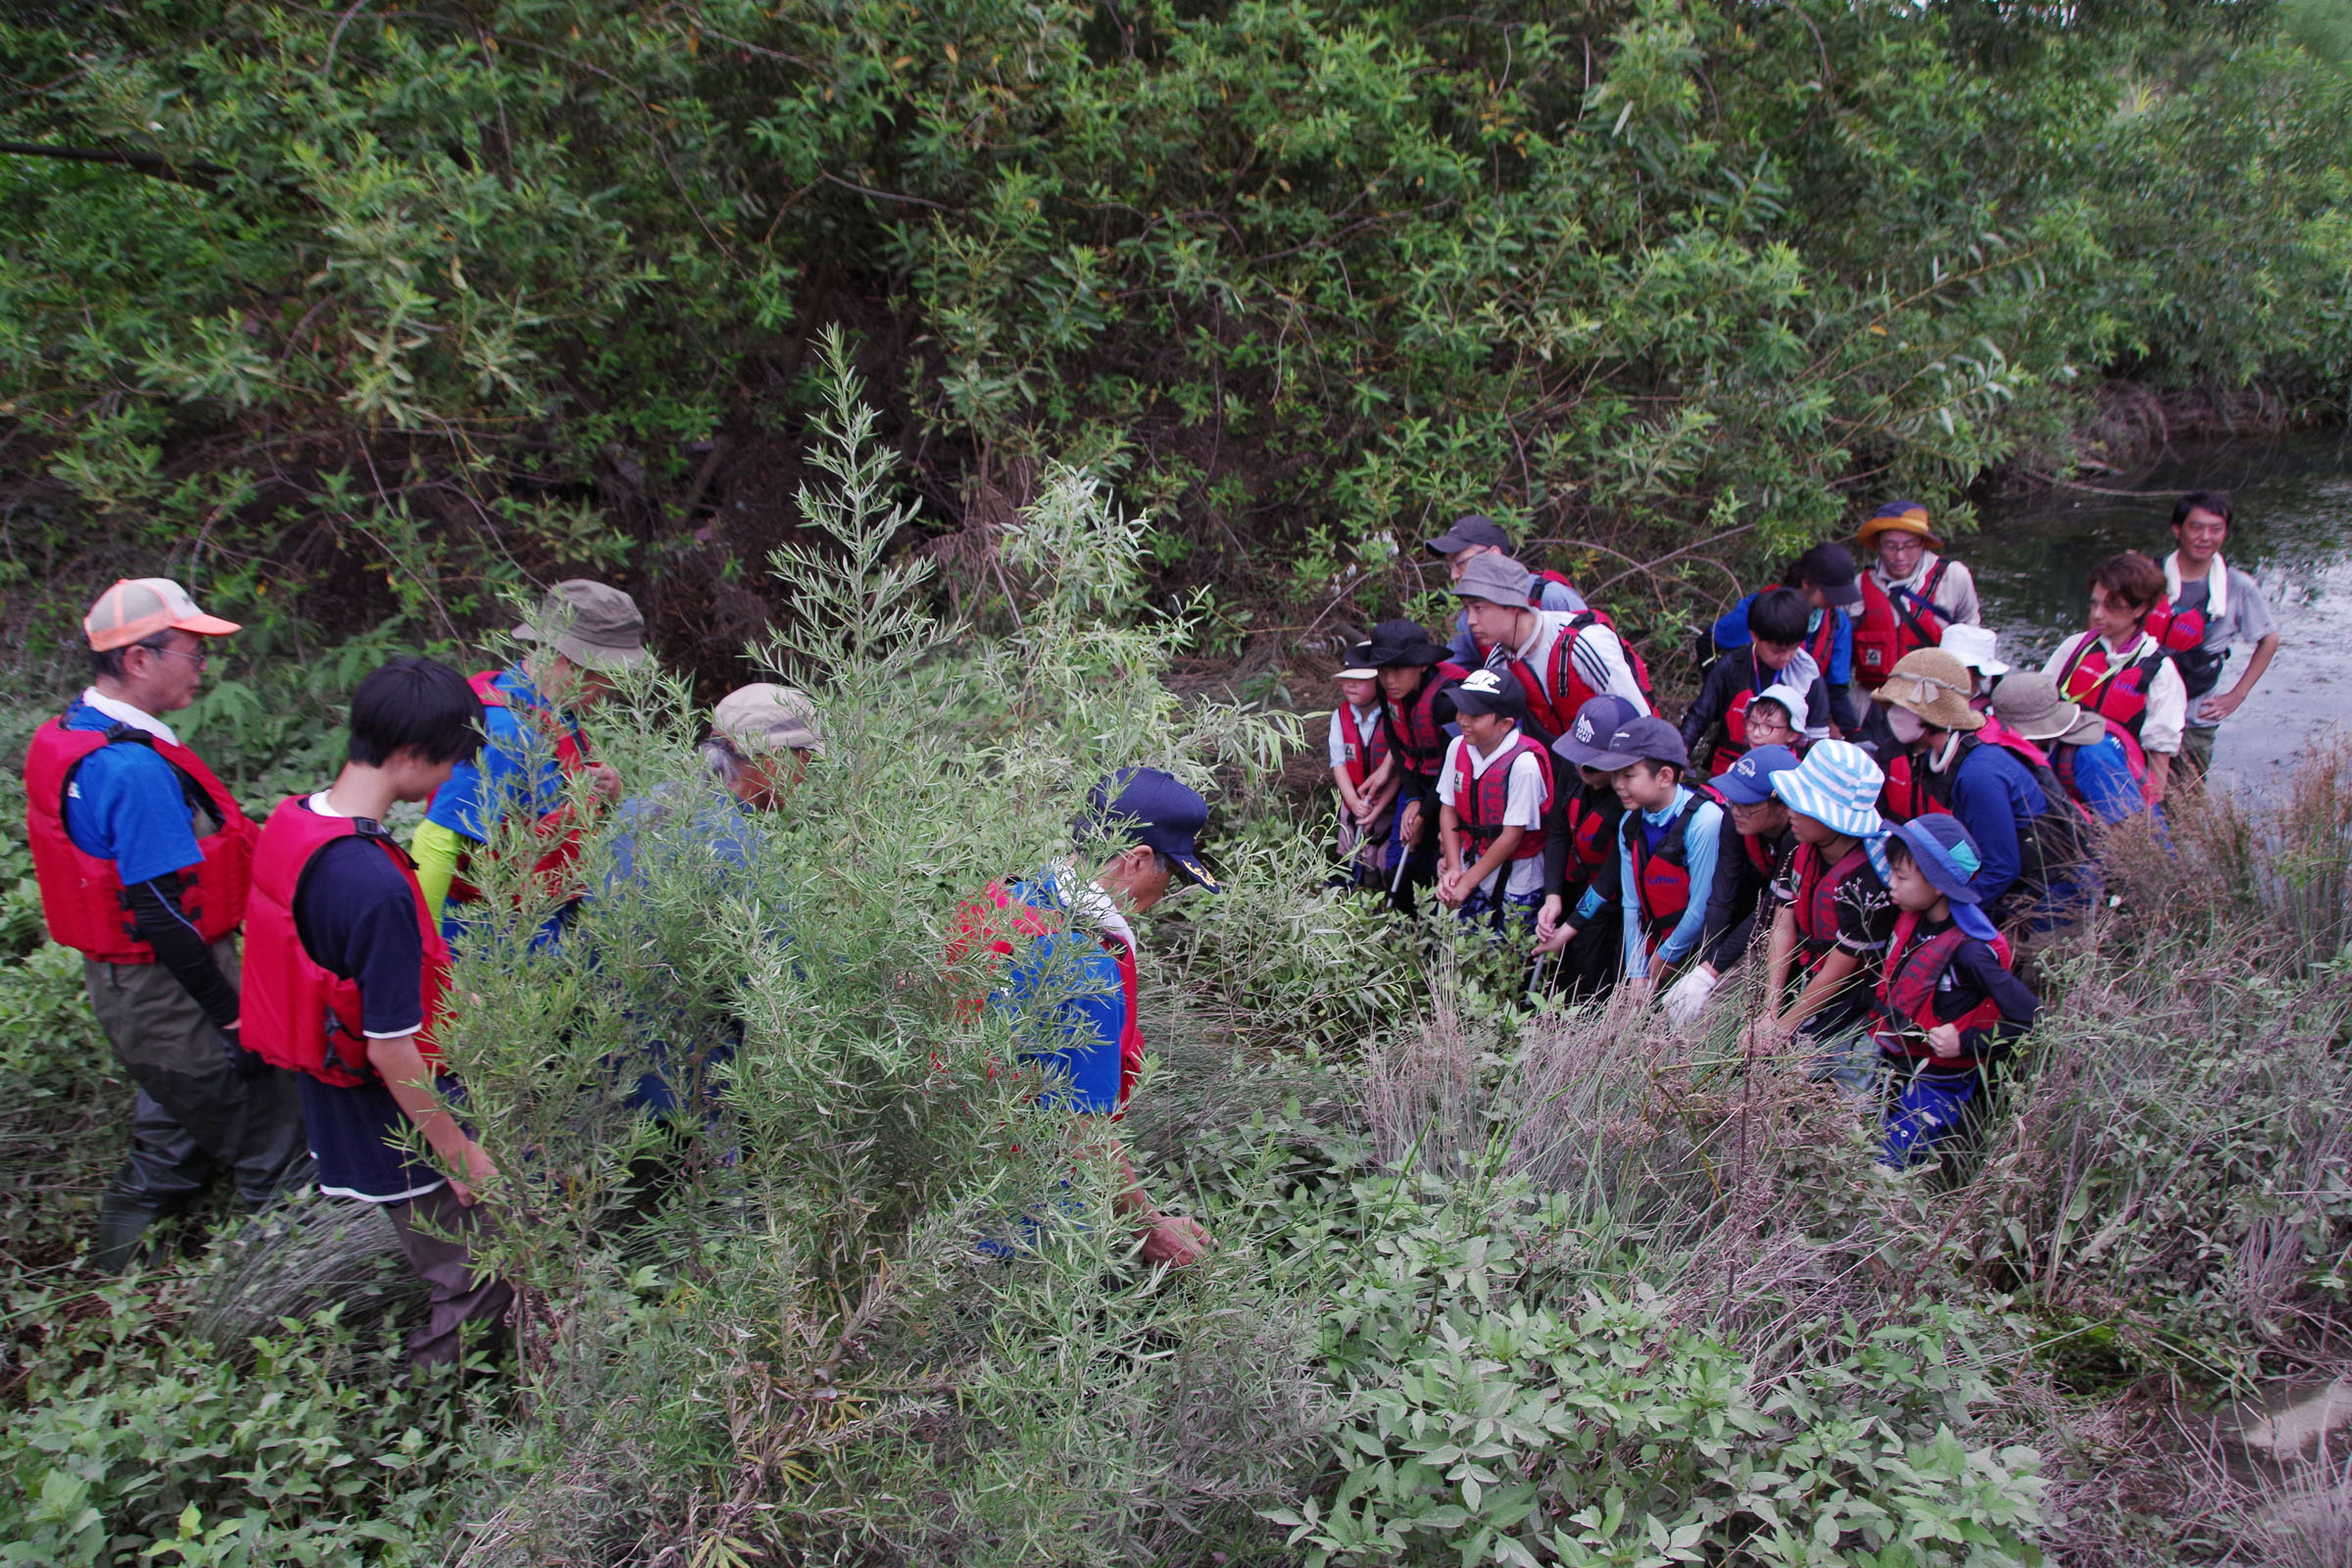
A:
(1909, 595)
(143, 858)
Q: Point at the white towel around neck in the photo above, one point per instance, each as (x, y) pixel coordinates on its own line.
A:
(2217, 587)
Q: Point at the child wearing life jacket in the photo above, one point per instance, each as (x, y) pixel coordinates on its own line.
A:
(1775, 655)
(345, 982)
(1582, 920)
(1667, 848)
(1977, 648)
(1493, 794)
(2124, 666)
(1833, 917)
(2232, 608)
(1947, 1003)
(1909, 594)
(1416, 719)
(1754, 853)
(1363, 770)
(1825, 576)
(2097, 761)
(2030, 837)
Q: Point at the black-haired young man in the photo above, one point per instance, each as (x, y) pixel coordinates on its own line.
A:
(2234, 611)
(344, 977)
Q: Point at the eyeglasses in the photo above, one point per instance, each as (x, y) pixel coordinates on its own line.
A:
(200, 658)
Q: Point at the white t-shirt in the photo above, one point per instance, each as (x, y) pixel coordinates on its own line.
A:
(1522, 806)
(2167, 698)
(1955, 596)
(1367, 724)
(1599, 655)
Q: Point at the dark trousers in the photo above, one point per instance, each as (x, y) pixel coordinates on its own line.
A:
(445, 1260)
(1588, 968)
(194, 1117)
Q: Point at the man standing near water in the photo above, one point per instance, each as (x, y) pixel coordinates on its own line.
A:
(2196, 578)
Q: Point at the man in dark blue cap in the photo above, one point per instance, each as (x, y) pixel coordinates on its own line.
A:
(1071, 968)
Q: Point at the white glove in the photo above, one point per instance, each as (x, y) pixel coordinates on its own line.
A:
(1687, 998)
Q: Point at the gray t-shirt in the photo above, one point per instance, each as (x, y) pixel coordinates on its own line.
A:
(2249, 621)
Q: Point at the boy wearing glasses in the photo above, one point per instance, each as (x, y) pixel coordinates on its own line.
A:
(143, 859)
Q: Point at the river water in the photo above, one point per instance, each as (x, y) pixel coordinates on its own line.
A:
(2294, 531)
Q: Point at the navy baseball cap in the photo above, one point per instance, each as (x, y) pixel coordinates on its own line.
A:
(1146, 806)
(1647, 739)
(1748, 781)
(1588, 735)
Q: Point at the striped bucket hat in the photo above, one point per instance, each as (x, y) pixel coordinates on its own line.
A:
(1836, 784)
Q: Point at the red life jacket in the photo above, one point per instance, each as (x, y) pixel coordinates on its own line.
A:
(1411, 726)
(2115, 688)
(571, 755)
(1822, 641)
(992, 920)
(1662, 876)
(1479, 800)
(81, 895)
(1906, 990)
(1906, 795)
(2062, 762)
(1891, 627)
(298, 1012)
(1589, 839)
(1759, 853)
(1554, 699)
(1365, 749)
(1816, 906)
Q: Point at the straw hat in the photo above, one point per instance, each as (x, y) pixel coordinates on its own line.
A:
(1934, 685)
(1899, 517)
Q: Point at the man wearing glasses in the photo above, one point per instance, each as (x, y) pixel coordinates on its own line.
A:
(143, 858)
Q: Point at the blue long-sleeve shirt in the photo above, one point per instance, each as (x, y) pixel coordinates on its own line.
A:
(1700, 839)
(1731, 631)
(1995, 796)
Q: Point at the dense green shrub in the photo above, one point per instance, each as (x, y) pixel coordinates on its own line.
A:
(412, 305)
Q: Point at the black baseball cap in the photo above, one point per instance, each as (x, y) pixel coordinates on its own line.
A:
(1146, 806)
(1829, 568)
(1473, 529)
(1486, 691)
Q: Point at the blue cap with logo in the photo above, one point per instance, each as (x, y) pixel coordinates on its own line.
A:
(1748, 781)
(1146, 806)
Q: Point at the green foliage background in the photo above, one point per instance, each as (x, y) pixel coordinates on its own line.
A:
(402, 305)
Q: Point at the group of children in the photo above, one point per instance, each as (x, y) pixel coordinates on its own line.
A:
(1878, 852)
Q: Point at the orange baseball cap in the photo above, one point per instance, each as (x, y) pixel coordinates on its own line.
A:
(137, 607)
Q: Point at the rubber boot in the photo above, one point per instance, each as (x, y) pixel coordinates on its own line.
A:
(121, 1225)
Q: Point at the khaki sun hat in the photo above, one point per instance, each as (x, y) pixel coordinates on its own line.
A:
(593, 624)
(769, 718)
(1934, 685)
(2031, 703)
(135, 608)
